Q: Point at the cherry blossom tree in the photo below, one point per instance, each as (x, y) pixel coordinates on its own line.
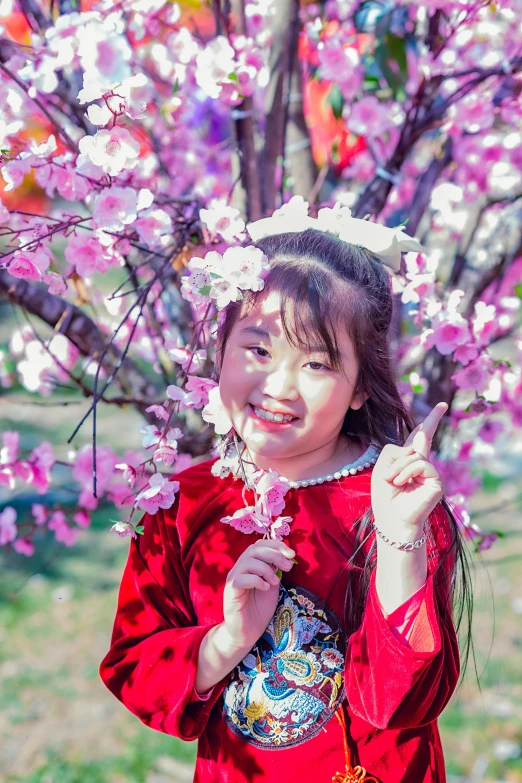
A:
(138, 138)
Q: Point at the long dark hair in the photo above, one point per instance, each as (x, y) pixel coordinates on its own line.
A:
(331, 282)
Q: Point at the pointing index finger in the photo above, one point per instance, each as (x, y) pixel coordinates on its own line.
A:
(421, 440)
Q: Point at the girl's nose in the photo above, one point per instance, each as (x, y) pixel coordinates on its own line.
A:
(281, 384)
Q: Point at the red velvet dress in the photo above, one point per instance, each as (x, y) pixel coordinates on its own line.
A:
(314, 700)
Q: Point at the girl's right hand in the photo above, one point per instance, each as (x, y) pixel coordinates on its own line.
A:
(252, 589)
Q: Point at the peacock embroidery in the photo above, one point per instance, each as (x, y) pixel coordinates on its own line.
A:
(291, 683)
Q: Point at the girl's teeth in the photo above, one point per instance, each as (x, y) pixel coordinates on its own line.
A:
(271, 416)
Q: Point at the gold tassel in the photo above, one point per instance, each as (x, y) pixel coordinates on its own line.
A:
(351, 774)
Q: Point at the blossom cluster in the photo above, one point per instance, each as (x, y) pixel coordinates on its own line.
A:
(223, 277)
(264, 516)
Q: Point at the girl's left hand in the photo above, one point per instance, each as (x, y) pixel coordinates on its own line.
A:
(405, 486)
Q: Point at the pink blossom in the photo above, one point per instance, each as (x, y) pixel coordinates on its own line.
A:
(421, 287)
(339, 61)
(511, 110)
(29, 266)
(271, 489)
(176, 393)
(159, 411)
(83, 473)
(82, 519)
(11, 444)
(159, 494)
(115, 207)
(457, 478)
(124, 529)
(465, 451)
(71, 185)
(56, 283)
(166, 454)
(129, 473)
(484, 324)
(151, 435)
(465, 353)
(154, 227)
(86, 254)
(23, 470)
(56, 519)
(487, 541)
(220, 218)
(449, 330)
(368, 117)
(62, 531)
(42, 462)
(476, 375)
(182, 46)
(215, 413)
(5, 215)
(229, 73)
(473, 113)
(8, 529)
(39, 513)
(280, 528)
(197, 391)
(490, 430)
(24, 547)
(15, 170)
(112, 150)
(189, 360)
(248, 520)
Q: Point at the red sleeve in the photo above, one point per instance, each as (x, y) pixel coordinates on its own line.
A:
(409, 622)
(394, 686)
(152, 662)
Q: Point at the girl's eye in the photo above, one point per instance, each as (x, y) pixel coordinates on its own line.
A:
(321, 366)
(257, 348)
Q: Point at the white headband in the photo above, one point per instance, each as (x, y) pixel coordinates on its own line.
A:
(386, 243)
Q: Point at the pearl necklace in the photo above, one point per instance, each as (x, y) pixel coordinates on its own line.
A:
(368, 458)
(364, 461)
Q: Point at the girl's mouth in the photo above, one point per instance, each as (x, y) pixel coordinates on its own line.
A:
(265, 424)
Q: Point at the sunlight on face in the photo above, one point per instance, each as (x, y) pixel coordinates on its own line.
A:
(261, 368)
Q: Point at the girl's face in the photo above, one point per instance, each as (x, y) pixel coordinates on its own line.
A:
(262, 369)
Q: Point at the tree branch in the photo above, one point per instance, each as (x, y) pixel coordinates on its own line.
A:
(245, 126)
(286, 30)
(426, 184)
(33, 14)
(79, 329)
(374, 197)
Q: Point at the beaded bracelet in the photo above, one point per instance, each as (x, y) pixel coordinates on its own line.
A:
(407, 546)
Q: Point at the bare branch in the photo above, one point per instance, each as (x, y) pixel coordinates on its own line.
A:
(35, 17)
(245, 126)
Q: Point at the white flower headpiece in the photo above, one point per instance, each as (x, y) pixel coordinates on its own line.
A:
(386, 243)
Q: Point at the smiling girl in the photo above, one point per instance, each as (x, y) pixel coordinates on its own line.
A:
(325, 648)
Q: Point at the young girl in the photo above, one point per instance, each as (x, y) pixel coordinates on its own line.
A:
(326, 651)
